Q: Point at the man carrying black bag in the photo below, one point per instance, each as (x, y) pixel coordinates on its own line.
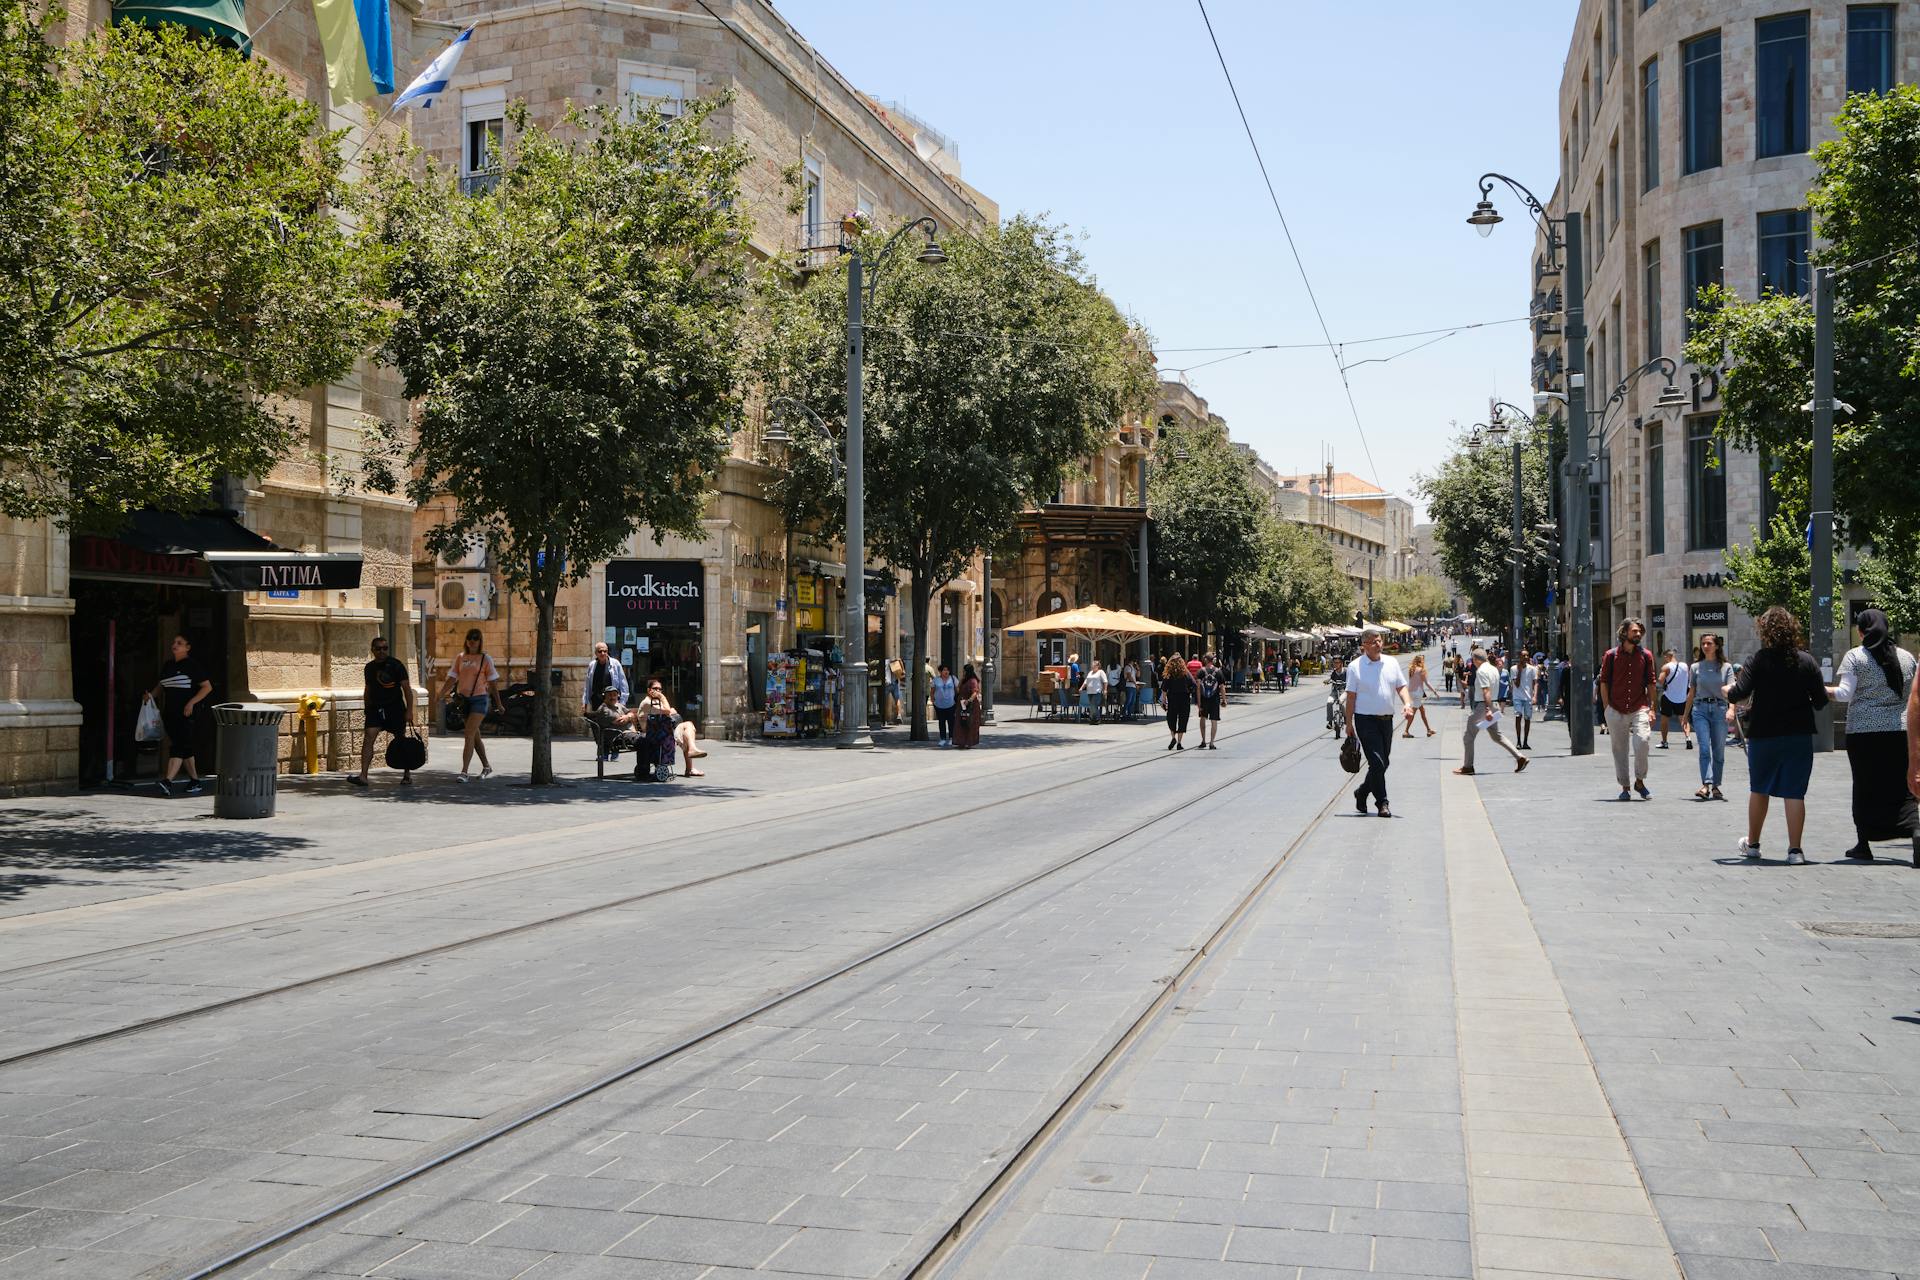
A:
(1374, 682)
(388, 698)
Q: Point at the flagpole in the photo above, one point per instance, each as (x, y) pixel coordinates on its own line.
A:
(254, 34)
(368, 136)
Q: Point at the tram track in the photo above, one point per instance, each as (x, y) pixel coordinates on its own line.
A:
(179, 1016)
(359, 1195)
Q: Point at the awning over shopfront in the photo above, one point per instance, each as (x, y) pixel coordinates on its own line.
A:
(1263, 633)
(232, 557)
(1070, 522)
(222, 19)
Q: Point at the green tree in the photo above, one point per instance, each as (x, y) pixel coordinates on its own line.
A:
(1300, 583)
(1470, 499)
(1866, 207)
(569, 337)
(987, 380)
(1207, 548)
(1423, 596)
(169, 261)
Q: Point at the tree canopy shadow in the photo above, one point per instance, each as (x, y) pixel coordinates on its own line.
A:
(37, 845)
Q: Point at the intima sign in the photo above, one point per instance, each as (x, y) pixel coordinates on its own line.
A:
(656, 592)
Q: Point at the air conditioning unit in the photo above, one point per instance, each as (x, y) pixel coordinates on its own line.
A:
(472, 556)
(464, 595)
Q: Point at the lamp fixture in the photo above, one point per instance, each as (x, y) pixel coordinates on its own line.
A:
(1484, 218)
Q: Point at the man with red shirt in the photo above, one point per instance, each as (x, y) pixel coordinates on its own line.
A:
(1626, 691)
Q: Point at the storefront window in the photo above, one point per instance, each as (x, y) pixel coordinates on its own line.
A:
(655, 610)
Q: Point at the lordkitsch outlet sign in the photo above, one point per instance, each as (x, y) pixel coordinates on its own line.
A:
(660, 593)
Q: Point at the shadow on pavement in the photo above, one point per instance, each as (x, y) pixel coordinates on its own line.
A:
(37, 842)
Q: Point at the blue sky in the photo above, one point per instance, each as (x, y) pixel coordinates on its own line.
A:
(1374, 119)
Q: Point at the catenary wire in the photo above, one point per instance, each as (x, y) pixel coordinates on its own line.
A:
(1274, 195)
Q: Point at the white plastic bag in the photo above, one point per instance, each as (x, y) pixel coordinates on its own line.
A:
(147, 727)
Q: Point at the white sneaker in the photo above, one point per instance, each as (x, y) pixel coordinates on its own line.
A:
(1751, 852)
(1795, 858)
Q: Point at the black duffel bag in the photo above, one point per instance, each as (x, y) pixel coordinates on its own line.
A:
(406, 752)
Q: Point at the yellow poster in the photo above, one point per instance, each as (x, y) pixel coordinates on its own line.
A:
(803, 592)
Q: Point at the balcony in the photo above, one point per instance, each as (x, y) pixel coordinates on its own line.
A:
(479, 184)
(815, 245)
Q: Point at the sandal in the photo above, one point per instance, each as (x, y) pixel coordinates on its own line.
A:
(1704, 793)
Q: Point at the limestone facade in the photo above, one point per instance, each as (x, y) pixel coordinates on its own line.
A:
(54, 690)
(1625, 71)
(814, 138)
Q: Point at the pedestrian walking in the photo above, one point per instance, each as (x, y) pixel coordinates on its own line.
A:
(1447, 665)
(1625, 685)
(1212, 684)
(1876, 682)
(946, 692)
(1786, 689)
(1525, 681)
(1376, 690)
(966, 720)
(472, 684)
(387, 696)
(1484, 717)
(1419, 685)
(603, 673)
(1708, 680)
(896, 689)
(1177, 692)
(1675, 678)
(1130, 688)
(184, 684)
(1093, 692)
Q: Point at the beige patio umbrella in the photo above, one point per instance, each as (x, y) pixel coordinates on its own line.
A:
(1094, 623)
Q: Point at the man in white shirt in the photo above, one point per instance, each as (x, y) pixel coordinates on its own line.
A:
(1484, 717)
(1374, 683)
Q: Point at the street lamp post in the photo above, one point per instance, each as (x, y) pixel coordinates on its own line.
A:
(1565, 233)
(859, 293)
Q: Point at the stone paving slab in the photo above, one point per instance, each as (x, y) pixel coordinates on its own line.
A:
(788, 1149)
(1765, 1077)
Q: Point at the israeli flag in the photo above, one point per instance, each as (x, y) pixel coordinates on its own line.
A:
(432, 82)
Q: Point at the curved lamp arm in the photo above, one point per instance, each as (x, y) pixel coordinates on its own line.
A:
(1671, 397)
(819, 423)
(931, 254)
(1485, 217)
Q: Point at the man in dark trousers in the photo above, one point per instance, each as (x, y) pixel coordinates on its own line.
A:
(1374, 683)
(388, 698)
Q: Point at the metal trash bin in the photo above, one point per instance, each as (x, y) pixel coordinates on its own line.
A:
(247, 759)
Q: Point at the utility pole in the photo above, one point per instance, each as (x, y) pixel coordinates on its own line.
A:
(1579, 495)
(1820, 625)
(853, 667)
(987, 633)
(1519, 550)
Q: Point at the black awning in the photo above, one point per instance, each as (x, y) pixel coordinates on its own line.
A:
(237, 558)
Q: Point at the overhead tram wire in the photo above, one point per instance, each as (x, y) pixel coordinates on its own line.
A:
(1274, 196)
(1446, 332)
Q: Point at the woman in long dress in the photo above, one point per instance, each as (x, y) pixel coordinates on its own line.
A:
(1875, 681)
(966, 701)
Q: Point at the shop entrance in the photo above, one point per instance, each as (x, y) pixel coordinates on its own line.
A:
(950, 631)
(126, 628)
(654, 612)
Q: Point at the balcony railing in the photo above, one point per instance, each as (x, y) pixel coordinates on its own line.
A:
(479, 184)
(816, 245)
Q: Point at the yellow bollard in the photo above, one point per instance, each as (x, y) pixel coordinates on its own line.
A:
(309, 708)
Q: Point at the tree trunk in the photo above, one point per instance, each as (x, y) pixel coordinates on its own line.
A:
(543, 688)
(922, 599)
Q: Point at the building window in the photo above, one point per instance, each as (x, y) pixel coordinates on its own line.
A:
(1619, 343)
(1700, 103)
(1870, 48)
(1705, 253)
(1591, 244)
(1613, 31)
(483, 121)
(1613, 182)
(815, 202)
(1573, 141)
(1650, 125)
(1784, 238)
(1600, 215)
(1706, 486)
(1656, 489)
(1599, 357)
(1780, 85)
(664, 89)
(1769, 498)
(1650, 299)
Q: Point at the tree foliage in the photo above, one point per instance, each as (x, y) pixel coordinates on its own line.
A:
(169, 260)
(569, 337)
(1423, 596)
(1470, 499)
(1866, 206)
(1207, 531)
(987, 379)
(1299, 584)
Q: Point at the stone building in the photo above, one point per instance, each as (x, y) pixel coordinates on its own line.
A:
(756, 586)
(1369, 529)
(1685, 127)
(85, 622)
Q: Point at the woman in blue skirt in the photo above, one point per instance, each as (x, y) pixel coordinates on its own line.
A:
(1786, 689)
